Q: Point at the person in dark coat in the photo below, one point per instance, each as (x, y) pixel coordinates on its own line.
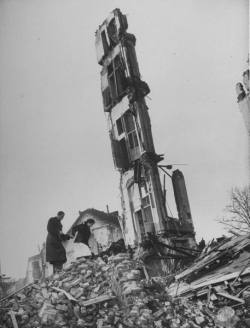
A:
(83, 232)
(55, 252)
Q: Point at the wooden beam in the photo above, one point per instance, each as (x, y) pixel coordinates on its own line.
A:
(210, 281)
(145, 272)
(99, 299)
(13, 319)
(68, 295)
(8, 296)
(230, 297)
(240, 273)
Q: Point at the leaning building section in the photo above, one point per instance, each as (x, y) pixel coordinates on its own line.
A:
(123, 93)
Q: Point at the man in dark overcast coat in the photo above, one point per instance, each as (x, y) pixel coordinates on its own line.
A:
(55, 252)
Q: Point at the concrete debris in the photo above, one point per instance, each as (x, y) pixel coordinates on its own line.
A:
(83, 295)
(95, 294)
(223, 269)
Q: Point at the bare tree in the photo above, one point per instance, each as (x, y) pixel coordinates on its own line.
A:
(237, 218)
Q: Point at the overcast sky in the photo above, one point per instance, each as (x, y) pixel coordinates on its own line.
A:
(55, 152)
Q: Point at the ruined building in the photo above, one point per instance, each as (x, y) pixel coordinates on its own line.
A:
(123, 91)
(243, 99)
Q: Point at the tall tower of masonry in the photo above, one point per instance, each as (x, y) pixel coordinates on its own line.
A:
(243, 98)
(134, 155)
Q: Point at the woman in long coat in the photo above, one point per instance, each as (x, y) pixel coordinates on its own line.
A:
(83, 231)
(55, 252)
(82, 237)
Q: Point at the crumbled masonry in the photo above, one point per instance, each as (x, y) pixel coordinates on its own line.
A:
(93, 293)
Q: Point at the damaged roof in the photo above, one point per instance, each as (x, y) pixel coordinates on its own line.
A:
(105, 217)
(228, 260)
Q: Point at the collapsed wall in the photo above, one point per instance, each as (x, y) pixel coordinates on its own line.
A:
(117, 293)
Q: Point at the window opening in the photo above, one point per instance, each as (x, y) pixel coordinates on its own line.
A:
(131, 204)
(139, 221)
(124, 153)
(120, 76)
(117, 78)
(148, 214)
(131, 130)
(104, 42)
(111, 77)
(106, 97)
(129, 121)
(145, 203)
(112, 32)
(119, 126)
(152, 200)
(120, 153)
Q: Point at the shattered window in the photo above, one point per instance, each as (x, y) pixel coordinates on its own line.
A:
(139, 222)
(131, 130)
(111, 77)
(117, 78)
(120, 153)
(132, 139)
(110, 69)
(145, 201)
(119, 126)
(144, 188)
(121, 82)
(148, 214)
(152, 200)
(112, 32)
(106, 95)
(117, 62)
(120, 76)
(104, 42)
(126, 124)
(129, 121)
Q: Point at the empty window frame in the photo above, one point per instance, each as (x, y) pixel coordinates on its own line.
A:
(120, 77)
(112, 32)
(148, 214)
(132, 139)
(119, 126)
(120, 153)
(106, 99)
(104, 42)
(145, 203)
(117, 78)
(131, 130)
(106, 95)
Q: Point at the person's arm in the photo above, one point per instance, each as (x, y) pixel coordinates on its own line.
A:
(75, 229)
(64, 237)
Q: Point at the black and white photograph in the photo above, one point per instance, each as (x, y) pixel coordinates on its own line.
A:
(124, 164)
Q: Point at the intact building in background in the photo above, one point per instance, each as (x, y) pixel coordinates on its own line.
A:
(243, 98)
(123, 91)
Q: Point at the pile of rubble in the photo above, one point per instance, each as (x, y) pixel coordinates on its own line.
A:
(89, 293)
(118, 293)
(219, 282)
(226, 261)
